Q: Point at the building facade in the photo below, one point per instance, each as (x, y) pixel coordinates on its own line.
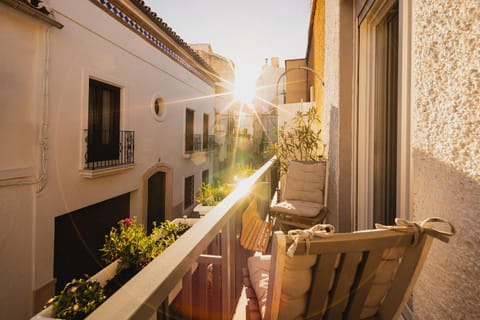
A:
(106, 113)
(402, 124)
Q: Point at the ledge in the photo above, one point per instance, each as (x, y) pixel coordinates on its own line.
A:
(97, 173)
(17, 173)
(25, 8)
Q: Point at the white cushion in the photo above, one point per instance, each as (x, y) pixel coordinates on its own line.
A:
(297, 277)
(298, 208)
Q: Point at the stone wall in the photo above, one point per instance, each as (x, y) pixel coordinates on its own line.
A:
(446, 153)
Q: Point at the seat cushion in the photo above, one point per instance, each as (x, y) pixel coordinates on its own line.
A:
(297, 277)
(298, 208)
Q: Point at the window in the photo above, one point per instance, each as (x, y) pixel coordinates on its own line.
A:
(382, 136)
(205, 132)
(159, 109)
(189, 192)
(189, 118)
(205, 176)
(103, 122)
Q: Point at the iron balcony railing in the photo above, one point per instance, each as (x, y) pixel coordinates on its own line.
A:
(199, 276)
(200, 143)
(211, 142)
(195, 144)
(104, 149)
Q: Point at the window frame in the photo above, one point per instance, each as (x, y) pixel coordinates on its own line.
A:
(365, 116)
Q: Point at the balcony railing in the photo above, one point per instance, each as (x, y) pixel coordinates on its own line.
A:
(195, 144)
(211, 142)
(104, 150)
(198, 145)
(206, 261)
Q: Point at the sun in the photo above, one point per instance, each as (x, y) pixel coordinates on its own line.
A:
(245, 87)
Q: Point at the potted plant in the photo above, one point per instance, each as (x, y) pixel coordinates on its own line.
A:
(300, 141)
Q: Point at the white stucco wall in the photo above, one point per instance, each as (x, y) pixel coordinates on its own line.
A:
(446, 153)
(91, 44)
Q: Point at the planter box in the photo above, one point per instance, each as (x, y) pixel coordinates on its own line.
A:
(107, 273)
(202, 210)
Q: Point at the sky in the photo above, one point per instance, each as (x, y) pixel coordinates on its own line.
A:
(245, 31)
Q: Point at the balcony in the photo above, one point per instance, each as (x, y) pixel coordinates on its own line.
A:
(198, 143)
(193, 144)
(206, 261)
(106, 150)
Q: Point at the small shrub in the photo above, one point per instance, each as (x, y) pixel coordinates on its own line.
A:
(210, 196)
(244, 170)
(77, 300)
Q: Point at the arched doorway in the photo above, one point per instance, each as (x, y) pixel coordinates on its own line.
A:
(156, 199)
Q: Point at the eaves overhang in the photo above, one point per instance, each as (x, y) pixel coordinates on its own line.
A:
(140, 19)
(35, 11)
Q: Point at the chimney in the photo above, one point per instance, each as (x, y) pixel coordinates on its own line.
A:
(275, 62)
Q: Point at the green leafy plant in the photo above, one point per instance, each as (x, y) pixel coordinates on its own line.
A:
(77, 300)
(244, 170)
(209, 195)
(130, 244)
(169, 232)
(300, 141)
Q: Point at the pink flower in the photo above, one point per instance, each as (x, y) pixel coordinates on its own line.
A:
(127, 222)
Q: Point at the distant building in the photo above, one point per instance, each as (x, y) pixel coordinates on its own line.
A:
(270, 93)
(226, 120)
(106, 113)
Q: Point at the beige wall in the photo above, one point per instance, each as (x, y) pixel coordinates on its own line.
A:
(338, 104)
(296, 81)
(446, 153)
(316, 52)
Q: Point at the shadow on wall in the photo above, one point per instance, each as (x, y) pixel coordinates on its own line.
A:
(447, 286)
(333, 150)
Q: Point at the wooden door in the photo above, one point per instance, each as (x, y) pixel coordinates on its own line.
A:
(156, 199)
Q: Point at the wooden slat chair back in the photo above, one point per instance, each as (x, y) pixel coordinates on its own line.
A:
(360, 275)
(303, 201)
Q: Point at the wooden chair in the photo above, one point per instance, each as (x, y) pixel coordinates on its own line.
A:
(359, 275)
(303, 200)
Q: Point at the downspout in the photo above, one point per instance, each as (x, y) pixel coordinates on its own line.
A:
(42, 179)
